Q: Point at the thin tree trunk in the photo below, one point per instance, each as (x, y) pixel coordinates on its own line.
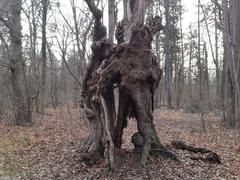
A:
(168, 59)
(44, 56)
(111, 20)
(199, 54)
(200, 71)
(190, 71)
(232, 85)
(181, 84)
(34, 74)
(125, 11)
(236, 41)
(216, 53)
(52, 76)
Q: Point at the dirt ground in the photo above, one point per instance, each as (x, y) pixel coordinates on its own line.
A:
(49, 149)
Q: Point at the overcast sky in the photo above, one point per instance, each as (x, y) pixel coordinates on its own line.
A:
(189, 15)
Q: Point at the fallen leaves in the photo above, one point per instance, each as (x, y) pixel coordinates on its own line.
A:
(50, 149)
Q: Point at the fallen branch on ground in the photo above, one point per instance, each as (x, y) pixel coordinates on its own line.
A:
(207, 155)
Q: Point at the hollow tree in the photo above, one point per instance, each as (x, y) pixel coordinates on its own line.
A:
(131, 66)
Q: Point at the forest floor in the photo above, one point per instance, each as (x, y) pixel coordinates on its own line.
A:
(49, 149)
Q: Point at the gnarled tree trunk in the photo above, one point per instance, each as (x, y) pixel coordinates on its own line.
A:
(94, 147)
(132, 66)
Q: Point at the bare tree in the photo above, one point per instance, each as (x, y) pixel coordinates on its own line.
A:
(81, 31)
(111, 21)
(42, 96)
(232, 91)
(17, 66)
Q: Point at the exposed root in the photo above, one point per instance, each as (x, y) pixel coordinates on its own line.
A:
(145, 153)
(210, 157)
(90, 158)
(165, 153)
(147, 148)
(205, 154)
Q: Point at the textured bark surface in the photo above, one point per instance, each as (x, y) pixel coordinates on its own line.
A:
(42, 95)
(131, 66)
(18, 82)
(95, 146)
(135, 69)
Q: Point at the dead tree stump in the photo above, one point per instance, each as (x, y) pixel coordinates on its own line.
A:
(131, 66)
(134, 68)
(94, 147)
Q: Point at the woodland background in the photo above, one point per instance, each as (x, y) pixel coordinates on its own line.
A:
(44, 53)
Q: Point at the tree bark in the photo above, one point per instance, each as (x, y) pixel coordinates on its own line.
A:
(111, 20)
(132, 66)
(22, 112)
(181, 80)
(168, 59)
(218, 93)
(125, 10)
(236, 42)
(232, 90)
(99, 109)
(42, 97)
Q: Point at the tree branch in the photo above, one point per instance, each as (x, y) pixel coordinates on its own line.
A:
(66, 21)
(5, 22)
(217, 4)
(5, 43)
(97, 13)
(63, 50)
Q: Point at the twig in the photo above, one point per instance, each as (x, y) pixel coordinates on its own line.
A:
(217, 4)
